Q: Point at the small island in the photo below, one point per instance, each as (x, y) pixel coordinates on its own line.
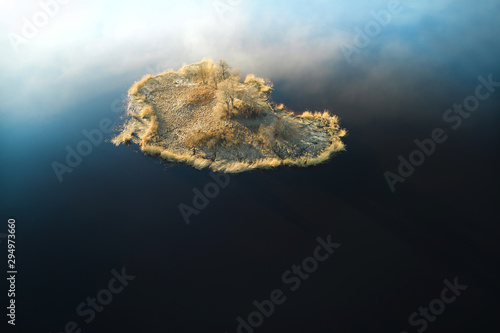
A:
(204, 115)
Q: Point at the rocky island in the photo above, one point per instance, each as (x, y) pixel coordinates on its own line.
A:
(204, 115)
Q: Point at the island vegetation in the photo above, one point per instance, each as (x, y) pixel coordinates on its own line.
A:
(205, 115)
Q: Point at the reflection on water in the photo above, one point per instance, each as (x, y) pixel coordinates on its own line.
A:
(120, 208)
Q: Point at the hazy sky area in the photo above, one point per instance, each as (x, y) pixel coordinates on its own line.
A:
(89, 48)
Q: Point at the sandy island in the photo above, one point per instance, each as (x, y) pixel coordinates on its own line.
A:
(205, 116)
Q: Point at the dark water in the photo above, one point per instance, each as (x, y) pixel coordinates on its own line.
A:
(119, 208)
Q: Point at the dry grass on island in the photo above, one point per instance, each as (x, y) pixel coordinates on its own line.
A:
(205, 116)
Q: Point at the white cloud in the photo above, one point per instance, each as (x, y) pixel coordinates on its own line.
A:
(90, 47)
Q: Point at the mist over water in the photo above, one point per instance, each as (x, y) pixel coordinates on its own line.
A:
(120, 208)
